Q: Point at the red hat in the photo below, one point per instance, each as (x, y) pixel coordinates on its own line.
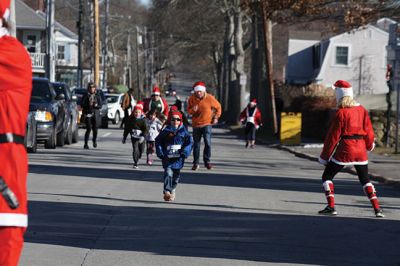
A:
(156, 91)
(199, 86)
(5, 9)
(342, 89)
(177, 113)
(254, 101)
(174, 108)
(140, 104)
(138, 107)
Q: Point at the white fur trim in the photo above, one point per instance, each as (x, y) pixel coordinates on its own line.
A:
(349, 163)
(199, 88)
(13, 219)
(373, 146)
(3, 32)
(6, 14)
(156, 93)
(326, 186)
(342, 92)
(322, 161)
(369, 184)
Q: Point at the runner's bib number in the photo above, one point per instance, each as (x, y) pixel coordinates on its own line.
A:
(136, 133)
(173, 151)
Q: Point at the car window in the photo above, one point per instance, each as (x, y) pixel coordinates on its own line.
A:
(61, 88)
(41, 91)
(112, 99)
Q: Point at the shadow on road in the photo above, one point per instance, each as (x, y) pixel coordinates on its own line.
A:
(215, 234)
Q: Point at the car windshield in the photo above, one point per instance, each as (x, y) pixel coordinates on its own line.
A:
(41, 91)
(112, 99)
(60, 88)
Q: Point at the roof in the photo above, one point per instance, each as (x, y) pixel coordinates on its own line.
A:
(27, 18)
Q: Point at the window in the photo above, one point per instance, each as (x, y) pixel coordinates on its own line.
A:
(342, 55)
(61, 52)
(31, 43)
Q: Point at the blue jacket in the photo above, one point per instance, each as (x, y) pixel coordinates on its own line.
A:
(173, 146)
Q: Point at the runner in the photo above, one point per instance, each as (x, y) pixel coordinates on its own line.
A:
(250, 117)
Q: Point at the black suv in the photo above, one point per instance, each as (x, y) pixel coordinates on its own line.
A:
(80, 92)
(72, 112)
(50, 113)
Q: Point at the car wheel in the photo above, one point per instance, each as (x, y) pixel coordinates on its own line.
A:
(117, 118)
(33, 148)
(68, 137)
(51, 141)
(61, 138)
(75, 135)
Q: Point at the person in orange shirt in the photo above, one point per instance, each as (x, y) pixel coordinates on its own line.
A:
(205, 111)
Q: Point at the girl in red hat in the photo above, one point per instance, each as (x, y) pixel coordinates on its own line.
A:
(250, 117)
(349, 138)
(173, 146)
(15, 93)
(136, 127)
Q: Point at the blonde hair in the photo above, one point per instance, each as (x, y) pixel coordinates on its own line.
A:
(346, 102)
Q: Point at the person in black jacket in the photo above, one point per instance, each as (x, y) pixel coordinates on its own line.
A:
(91, 104)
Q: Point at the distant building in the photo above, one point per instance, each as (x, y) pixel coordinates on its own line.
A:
(358, 56)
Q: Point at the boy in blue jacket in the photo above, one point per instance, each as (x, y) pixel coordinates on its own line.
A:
(173, 146)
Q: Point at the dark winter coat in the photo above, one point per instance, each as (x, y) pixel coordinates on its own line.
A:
(134, 123)
(168, 137)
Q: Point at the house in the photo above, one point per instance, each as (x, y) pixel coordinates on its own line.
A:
(358, 56)
(31, 32)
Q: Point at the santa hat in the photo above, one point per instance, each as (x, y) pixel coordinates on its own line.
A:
(5, 9)
(140, 104)
(254, 101)
(199, 86)
(176, 113)
(174, 108)
(156, 91)
(342, 88)
(138, 107)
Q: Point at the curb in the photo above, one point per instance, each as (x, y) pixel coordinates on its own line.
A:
(375, 177)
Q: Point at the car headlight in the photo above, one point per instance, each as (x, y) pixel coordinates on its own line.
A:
(43, 116)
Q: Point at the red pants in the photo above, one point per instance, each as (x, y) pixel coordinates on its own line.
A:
(11, 242)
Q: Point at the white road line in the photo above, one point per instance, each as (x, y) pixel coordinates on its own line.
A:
(106, 135)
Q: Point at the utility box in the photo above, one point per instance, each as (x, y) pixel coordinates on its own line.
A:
(290, 132)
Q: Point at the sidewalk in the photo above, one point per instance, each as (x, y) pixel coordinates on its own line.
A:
(382, 168)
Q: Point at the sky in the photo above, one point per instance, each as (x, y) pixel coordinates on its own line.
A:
(145, 2)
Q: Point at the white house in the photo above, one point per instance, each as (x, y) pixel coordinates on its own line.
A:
(358, 56)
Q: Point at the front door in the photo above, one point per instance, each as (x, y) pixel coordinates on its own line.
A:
(31, 40)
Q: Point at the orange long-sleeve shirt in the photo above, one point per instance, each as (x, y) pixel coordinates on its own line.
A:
(208, 108)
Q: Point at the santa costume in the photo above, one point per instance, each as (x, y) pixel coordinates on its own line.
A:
(160, 105)
(349, 138)
(251, 119)
(15, 93)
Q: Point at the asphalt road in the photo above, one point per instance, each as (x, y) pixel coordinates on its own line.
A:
(257, 207)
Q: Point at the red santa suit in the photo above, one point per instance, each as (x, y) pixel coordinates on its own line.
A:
(163, 106)
(349, 137)
(253, 117)
(15, 93)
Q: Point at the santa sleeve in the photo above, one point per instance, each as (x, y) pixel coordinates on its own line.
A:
(243, 115)
(369, 137)
(166, 107)
(258, 117)
(332, 138)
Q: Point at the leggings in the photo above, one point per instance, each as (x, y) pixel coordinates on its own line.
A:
(332, 169)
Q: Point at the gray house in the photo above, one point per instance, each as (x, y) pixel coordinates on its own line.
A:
(31, 32)
(358, 56)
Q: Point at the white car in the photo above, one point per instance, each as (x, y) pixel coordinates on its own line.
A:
(115, 112)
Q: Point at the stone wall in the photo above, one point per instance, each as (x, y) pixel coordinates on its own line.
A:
(379, 123)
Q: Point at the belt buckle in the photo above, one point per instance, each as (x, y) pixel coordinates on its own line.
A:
(9, 137)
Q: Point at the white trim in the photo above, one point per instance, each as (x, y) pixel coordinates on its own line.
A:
(13, 219)
(349, 163)
(322, 161)
(369, 184)
(199, 88)
(326, 186)
(373, 146)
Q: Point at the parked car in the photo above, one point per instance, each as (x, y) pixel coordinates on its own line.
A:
(30, 135)
(80, 92)
(49, 113)
(115, 111)
(72, 113)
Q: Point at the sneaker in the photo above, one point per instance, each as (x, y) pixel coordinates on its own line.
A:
(94, 144)
(247, 145)
(135, 166)
(252, 146)
(379, 213)
(86, 147)
(328, 211)
(173, 194)
(167, 196)
(195, 167)
(208, 166)
(149, 161)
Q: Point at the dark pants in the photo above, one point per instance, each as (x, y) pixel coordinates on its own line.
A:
(150, 147)
(204, 132)
(137, 149)
(250, 131)
(171, 179)
(91, 124)
(332, 169)
(126, 115)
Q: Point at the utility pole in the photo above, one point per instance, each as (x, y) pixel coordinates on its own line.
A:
(128, 61)
(138, 42)
(96, 43)
(80, 36)
(13, 26)
(105, 41)
(50, 53)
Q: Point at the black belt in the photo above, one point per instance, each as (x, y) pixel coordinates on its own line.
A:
(353, 137)
(12, 138)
